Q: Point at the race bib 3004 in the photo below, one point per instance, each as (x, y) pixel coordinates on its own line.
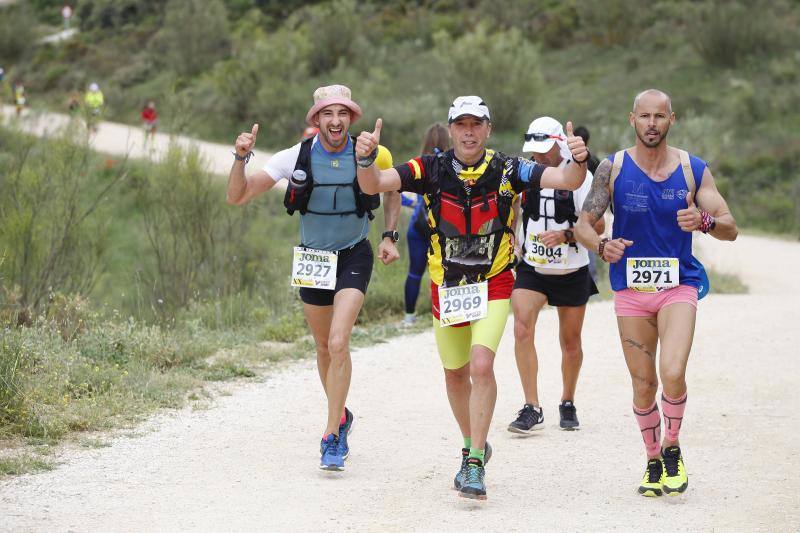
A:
(463, 303)
(537, 254)
(652, 274)
(314, 268)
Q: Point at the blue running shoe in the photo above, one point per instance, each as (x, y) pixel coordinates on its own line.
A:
(344, 430)
(474, 486)
(462, 472)
(332, 456)
(347, 427)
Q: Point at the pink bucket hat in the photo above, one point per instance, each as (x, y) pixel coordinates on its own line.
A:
(329, 95)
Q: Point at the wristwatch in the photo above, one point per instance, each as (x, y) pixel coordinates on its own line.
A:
(394, 235)
(568, 235)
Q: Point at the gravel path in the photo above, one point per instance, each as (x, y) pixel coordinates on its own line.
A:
(250, 462)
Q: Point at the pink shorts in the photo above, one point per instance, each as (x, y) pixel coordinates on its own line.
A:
(628, 302)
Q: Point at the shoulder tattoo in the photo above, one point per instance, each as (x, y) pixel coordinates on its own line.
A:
(599, 196)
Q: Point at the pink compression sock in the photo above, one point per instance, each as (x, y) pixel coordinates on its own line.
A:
(673, 415)
(343, 419)
(649, 421)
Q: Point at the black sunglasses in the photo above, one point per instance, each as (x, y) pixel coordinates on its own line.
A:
(539, 137)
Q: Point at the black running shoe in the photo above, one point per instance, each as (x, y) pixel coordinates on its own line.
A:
(569, 419)
(529, 419)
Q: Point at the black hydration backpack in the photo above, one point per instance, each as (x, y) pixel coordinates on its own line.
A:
(297, 199)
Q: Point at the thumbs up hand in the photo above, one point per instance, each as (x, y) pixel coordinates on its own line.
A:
(246, 141)
(580, 154)
(689, 219)
(367, 142)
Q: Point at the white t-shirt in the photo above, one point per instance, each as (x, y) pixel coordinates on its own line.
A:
(281, 165)
(554, 261)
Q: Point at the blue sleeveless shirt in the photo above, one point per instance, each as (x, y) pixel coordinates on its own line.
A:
(646, 212)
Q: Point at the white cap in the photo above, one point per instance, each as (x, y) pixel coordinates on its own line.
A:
(468, 105)
(542, 134)
(94, 87)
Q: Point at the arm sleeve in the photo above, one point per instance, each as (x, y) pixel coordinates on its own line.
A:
(281, 165)
(528, 175)
(415, 174)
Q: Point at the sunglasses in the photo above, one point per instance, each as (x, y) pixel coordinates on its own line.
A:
(539, 137)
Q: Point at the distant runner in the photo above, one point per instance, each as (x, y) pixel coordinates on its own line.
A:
(660, 195)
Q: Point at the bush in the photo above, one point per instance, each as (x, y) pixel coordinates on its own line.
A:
(17, 29)
(726, 33)
(195, 240)
(50, 233)
(502, 68)
(194, 36)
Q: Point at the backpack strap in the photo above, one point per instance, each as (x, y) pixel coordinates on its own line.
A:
(688, 174)
(616, 167)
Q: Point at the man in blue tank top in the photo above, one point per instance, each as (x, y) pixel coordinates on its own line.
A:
(659, 195)
(334, 225)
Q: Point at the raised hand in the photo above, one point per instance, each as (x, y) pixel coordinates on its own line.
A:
(576, 145)
(615, 249)
(689, 219)
(368, 142)
(246, 141)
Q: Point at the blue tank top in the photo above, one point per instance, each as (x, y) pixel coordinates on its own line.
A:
(645, 212)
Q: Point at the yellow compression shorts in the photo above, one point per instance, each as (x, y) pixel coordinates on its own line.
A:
(455, 344)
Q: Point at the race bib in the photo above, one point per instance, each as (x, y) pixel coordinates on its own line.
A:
(652, 274)
(537, 254)
(463, 303)
(314, 268)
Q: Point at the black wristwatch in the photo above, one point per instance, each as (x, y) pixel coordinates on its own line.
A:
(568, 235)
(394, 235)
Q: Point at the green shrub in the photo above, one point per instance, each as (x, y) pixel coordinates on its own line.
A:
(726, 33)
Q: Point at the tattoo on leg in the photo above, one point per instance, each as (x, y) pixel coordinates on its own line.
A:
(639, 345)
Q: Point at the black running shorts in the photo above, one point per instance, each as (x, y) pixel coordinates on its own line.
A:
(353, 271)
(569, 290)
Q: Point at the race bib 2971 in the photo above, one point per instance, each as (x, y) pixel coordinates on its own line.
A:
(652, 274)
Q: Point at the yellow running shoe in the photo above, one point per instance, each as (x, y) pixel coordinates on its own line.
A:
(675, 478)
(653, 477)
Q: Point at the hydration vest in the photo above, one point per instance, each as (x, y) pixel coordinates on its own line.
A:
(563, 208)
(470, 220)
(297, 199)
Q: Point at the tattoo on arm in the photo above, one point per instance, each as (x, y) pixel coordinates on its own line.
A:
(599, 196)
(639, 345)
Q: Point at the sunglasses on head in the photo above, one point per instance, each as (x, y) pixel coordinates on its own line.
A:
(539, 137)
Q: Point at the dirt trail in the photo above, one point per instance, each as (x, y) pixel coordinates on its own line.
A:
(123, 140)
(250, 462)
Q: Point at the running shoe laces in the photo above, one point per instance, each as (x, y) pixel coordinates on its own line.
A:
(653, 471)
(475, 472)
(671, 457)
(568, 411)
(528, 415)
